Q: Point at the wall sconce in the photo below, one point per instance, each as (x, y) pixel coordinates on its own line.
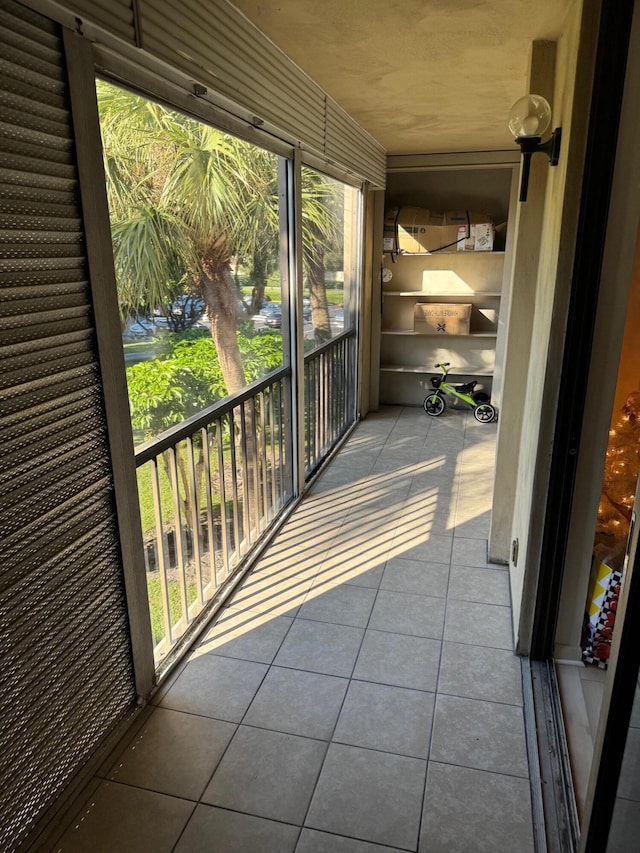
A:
(529, 118)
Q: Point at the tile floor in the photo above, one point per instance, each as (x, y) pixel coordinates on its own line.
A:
(359, 693)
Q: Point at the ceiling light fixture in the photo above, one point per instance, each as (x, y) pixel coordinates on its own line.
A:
(529, 118)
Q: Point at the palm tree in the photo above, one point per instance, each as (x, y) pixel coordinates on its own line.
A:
(183, 197)
(321, 232)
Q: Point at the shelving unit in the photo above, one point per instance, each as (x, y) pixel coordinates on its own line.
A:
(407, 357)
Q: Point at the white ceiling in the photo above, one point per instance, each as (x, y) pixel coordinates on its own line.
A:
(421, 76)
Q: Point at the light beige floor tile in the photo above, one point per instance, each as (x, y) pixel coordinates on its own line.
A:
(312, 841)
(594, 673)
(368, 577)
(475, 487)
(418, 545)
(470, 552)
(470, 523)
(298, 703)
(373, 796)
(213, 830)
(404, 438)
(486, 586)
(248, 635)
(437, 459)
(352, 559)
(174, 753)
(364, 524)
(127, 819)
(433, 483)
(335, 479)
(267, 774)
(428, 517)
(629, 784)
(470, 811)
(320, 647)
(372, 508)
(281, 595)
(415, 576)
(217, 687)
(478, 734)
(593, 692)
(476, 672)
(478, 624)
(403, 613)
(390, 719)
(341, 604)
(399, 660)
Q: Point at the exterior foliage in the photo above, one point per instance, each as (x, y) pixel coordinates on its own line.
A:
(189, 378)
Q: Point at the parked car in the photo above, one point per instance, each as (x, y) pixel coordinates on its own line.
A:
(338, 321)
(141, 327)
(193, 305)
(274, 320)
(270, 308)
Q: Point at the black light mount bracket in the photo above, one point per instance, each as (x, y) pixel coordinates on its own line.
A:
(530, 145)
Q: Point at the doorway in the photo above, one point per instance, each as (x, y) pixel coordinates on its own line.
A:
(596, 661)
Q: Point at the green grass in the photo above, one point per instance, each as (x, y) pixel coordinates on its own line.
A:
(139, 346)
(145, 493)
(335, 296)
(155, 605)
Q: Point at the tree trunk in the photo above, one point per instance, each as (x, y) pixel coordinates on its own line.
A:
(218, 293)
(258, 280)
(318, 294)
(219, 296)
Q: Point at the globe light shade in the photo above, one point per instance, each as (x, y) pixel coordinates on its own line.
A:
(529, 117)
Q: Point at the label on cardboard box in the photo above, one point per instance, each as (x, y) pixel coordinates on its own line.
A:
(479, 238)
(439, 318)
(483, 237)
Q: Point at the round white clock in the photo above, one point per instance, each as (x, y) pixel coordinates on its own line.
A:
(387, 275)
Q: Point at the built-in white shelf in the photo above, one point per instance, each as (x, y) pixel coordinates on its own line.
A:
(420, 294)
(447, 254)
(420, 369)
(441, 335)
(407, 356)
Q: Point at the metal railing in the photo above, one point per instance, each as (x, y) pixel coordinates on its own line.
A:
(209, 488)
(329, 396)
(212, 486)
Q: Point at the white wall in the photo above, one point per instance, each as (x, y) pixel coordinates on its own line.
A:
(517, 315)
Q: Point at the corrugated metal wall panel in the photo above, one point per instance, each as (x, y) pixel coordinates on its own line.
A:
(212, 43)
(116, 16)
(66, 678)
(216, 44)
(349, 144)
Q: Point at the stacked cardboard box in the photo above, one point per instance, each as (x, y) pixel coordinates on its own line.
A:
(417, 230)
(438, 318)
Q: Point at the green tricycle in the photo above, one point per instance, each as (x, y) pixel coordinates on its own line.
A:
(434, 403)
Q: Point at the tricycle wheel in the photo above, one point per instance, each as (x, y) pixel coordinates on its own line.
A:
(484, 413)
(434, 405)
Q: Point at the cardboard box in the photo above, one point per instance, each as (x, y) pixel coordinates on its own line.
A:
(441, 319)
(418, 230)
(476, 238)
(406, 229)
